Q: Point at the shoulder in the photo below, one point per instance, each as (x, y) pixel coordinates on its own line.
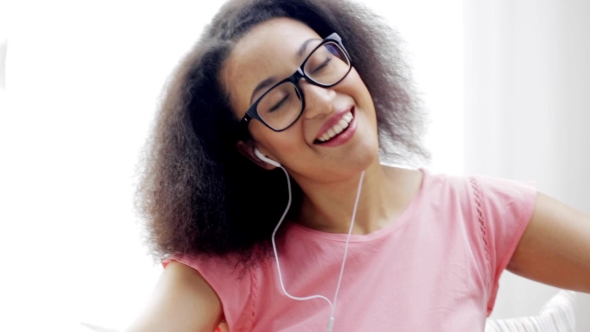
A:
(411, 180)
(182, 276)
(184, 283)
(438, 187)
(232, 283)
(181, 301)
(487, 195)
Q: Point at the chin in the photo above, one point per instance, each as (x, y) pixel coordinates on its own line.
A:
(365, 155)
(369, 157)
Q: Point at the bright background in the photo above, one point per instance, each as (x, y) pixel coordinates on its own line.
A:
(82, 81)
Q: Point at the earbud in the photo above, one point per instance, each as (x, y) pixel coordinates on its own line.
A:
(265, 158)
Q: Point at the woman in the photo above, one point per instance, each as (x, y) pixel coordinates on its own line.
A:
(316, 88)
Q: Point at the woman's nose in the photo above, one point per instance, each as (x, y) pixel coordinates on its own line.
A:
(318, 100)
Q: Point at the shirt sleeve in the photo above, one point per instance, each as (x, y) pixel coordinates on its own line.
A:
(504, 209)
(231, 283)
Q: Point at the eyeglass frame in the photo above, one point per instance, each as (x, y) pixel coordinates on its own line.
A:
(252, 112)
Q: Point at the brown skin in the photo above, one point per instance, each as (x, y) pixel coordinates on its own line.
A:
(182, 301)
(328, 175)
(555, 248)
(270, 49)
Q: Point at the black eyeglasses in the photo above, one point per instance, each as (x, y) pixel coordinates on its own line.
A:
(282, 105)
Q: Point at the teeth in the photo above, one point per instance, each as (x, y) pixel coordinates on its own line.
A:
(347, 117)
(338, 128)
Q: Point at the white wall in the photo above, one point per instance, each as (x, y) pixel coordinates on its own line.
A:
(82, 83)
(527, 107)
(433, 34)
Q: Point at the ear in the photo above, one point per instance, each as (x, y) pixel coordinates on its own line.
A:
(247, 150)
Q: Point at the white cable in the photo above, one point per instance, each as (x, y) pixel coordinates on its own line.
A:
(277, 255)
(356, 202)
(332, 306)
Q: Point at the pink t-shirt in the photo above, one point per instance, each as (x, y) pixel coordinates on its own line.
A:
(436, 268)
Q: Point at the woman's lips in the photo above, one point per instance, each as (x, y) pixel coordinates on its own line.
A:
(331, 122)
(343, 136)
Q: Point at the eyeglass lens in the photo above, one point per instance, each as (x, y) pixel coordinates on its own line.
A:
(281, 106)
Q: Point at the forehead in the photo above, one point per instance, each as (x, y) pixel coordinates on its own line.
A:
(269, 49)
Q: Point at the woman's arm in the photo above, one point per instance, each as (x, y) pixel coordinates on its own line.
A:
(555, 247)
(182, 301)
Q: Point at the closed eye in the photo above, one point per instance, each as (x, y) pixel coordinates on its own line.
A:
(279, 104)
(323, 65)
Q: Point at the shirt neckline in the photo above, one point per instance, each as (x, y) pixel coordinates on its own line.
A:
(388, 229)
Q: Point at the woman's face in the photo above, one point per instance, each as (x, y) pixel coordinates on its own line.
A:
(274, 50)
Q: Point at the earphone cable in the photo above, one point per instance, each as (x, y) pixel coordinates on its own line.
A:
(332, 305)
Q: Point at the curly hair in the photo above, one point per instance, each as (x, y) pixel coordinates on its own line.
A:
(197, 193)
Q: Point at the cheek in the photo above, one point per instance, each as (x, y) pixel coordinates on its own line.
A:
(281, 145)
(354, 86)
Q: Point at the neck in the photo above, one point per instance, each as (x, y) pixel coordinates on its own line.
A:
(385, 193)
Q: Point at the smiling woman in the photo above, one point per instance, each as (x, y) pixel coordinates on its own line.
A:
(322, 103)
(197, 176)
(318, 89)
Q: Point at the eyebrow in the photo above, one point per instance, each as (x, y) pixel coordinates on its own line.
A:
(270, 80)
(267, 82)
(304, 46)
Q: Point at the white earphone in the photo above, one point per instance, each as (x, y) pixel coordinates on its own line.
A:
(265, 158)
(331, 303)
